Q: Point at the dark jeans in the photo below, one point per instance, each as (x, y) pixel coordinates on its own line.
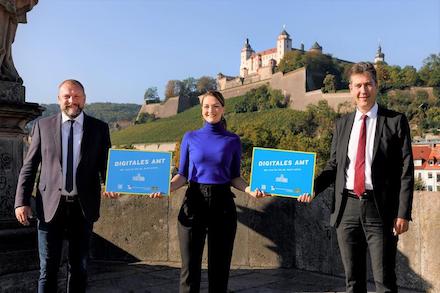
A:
(361, 227)
(68, 223)
(206, 210)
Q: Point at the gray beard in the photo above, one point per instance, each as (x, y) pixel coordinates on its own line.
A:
(72, 116)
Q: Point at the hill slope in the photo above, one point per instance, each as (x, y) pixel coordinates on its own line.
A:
(166, 129)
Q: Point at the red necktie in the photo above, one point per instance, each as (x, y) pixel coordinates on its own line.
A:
(359, 169)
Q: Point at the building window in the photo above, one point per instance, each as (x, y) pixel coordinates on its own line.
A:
(419, 175)
(429, 175)
(431, 162)
(429, 187)
(438, 187)
(438, 177)
(417, 163)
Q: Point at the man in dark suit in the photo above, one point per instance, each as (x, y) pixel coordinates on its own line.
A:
(372, 168)
(71, 150)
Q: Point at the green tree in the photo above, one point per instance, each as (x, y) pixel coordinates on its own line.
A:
(430, 71)
(419, 184)
(172, 88)
(144, 118)
(292, 60)
(433, 118)
(395, 77)
(383, 77)
(151, 95)
(261, 98)
(205, 83)
(409, 76)
(329, 84)
(189, 87)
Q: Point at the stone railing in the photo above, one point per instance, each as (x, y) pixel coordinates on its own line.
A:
(272, 232)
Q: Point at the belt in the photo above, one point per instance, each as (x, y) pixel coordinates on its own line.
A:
(213, 187)
(69, 198)
(210, 190)
(368, 194)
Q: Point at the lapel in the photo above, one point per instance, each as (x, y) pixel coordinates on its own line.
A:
(346, 128)
(85, 141)
(377, 135)
(57, 138)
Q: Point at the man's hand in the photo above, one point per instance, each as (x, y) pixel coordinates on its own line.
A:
(22, 214)
(400, 226)
(257, 193)
(305, 197)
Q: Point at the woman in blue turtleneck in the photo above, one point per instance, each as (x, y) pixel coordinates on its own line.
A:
(210, 161)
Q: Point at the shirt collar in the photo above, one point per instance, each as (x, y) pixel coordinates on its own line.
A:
(372, 114)
(79, 119)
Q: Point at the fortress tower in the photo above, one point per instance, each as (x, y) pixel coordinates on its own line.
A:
(246, 54)
(380, 57)
(284, 45)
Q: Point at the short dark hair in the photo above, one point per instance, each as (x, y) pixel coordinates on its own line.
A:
(363, 67)
(73, 81)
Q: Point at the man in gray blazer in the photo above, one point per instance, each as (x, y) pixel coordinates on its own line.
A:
(371, 165)
(71, 150)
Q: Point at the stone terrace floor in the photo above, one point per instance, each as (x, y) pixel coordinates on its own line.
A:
(146, 277)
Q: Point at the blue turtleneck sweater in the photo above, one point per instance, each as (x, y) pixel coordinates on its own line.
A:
(210, 155)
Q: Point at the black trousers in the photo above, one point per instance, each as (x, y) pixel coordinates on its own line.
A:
(206, 210)
(360, 228)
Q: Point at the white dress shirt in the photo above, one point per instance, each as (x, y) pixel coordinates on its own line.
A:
(353, 146)
(77, 137)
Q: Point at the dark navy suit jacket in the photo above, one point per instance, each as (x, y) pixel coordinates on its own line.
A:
(392, 168)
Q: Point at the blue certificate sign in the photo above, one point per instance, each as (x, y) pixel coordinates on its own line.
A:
(282, 172)
(138, 172)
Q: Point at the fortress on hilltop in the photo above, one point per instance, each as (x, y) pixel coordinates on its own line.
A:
(301, 86)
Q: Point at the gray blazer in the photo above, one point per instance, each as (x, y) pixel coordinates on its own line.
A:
(45, 150)
(392, 166)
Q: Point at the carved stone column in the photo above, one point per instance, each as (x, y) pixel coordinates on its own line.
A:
(18, 247)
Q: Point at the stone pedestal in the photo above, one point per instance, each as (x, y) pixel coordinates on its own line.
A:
(18, 247)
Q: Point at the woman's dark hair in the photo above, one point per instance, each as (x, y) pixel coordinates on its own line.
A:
(218, 95)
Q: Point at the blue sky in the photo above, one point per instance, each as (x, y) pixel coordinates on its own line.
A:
(118, 48)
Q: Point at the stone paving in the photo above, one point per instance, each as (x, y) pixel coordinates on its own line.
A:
(117, 277)
(142, 277)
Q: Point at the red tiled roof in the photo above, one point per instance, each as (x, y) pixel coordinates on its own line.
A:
(421, 152)
(435, 153)
(426, 153)
(268, 51)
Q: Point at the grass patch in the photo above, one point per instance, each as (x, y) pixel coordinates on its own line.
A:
(169, 129)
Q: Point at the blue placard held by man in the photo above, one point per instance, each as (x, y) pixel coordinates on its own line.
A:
(138, 172)
(282, 172)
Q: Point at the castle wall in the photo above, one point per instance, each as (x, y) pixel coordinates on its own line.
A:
(167, 109)
(291, 84)
(414, 89)
(156, 147)
(242, 89)
(333, 99)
